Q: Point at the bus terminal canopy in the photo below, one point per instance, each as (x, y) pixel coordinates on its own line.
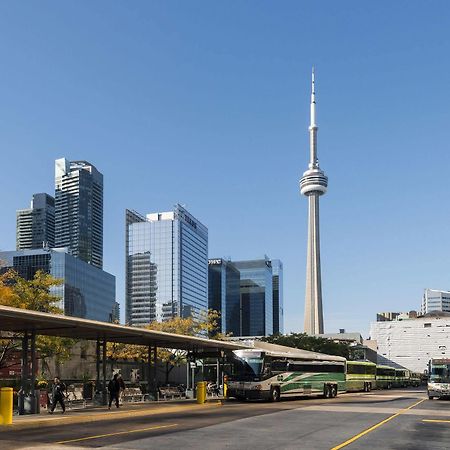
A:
(26, 321)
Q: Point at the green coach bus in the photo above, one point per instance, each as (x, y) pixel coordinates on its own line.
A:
(402, 378)
(385, 377)
(361, 376)
(270, 372)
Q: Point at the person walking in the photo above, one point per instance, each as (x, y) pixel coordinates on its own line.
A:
(58, 390)
(122, 387)
(114, 390)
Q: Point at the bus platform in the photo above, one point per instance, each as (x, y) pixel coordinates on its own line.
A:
(102, 413)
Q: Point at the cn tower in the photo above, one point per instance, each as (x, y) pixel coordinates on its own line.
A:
(313, 184)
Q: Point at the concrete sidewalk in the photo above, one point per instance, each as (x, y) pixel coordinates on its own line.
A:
(101, 413)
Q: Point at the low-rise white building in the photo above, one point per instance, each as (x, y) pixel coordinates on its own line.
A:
(434, 300)
(413, 342)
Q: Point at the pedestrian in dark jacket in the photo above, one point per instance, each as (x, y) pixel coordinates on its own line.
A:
(114, 390)
(58, 390)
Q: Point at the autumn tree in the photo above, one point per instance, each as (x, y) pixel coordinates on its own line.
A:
(188, 326)
(36, 295)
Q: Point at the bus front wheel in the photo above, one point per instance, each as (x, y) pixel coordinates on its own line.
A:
(327, 392)
(275, 394)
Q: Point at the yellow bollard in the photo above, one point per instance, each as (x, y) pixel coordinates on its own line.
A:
(201, 392)
(6, 405)
(225, 388)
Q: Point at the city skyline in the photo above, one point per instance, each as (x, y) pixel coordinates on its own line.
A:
(182, 108)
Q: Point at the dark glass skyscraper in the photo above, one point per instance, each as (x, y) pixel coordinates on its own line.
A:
(256, 297)
(35, 226)
(79, 210)
(166, 266)
(277, 289)
(224, 294)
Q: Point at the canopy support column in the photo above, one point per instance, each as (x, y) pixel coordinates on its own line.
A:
(155, 383)
(34, 400)
(24, 374)
(104, 389)
(97, 366)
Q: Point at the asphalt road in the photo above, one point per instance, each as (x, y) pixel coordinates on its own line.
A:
(396, 419)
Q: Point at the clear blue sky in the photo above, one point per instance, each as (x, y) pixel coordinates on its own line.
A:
(206, 103)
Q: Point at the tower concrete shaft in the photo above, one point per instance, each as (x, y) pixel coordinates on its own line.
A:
(313, 184)
(313, 294)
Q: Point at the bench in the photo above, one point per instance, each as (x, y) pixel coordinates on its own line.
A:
(74, 396)
(130, 394)
(170, 392)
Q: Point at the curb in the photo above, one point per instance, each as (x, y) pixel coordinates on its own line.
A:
(67, 419)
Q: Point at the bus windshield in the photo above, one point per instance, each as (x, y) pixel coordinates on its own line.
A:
(440, 374)
(248, 366)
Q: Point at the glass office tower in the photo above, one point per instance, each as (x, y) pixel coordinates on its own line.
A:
(166, 266)
(79, 210)
(224, 294)
(35, 226)
(86, 291)
(256, 293)
(277, 289)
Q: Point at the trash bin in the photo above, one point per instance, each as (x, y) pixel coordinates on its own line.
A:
(6, 405)
(29, 402)
(201, 392)
(43, 399)
(88, 391)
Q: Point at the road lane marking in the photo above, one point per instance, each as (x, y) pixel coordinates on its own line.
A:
(374, 427)
(436, 420)
(98, 436)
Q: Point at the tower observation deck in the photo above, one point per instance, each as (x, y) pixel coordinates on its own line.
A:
(313, 184)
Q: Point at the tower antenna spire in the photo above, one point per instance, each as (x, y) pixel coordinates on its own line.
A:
(313, 100)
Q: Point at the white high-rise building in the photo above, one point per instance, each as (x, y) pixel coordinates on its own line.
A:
(36, 224)
(313, 184)
(434, 300)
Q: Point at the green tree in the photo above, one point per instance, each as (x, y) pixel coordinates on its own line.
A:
(35, 295)
(311, 343)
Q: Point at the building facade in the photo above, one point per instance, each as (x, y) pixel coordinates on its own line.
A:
(79, 210)
(35, 226)
(412, 343)
(86, 291)
(224, 294)
(256, 297)
(435, 301)
(277, 293)
(166, 266)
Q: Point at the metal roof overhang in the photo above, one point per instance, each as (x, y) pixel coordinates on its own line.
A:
(23, 320)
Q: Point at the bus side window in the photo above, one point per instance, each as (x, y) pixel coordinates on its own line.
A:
(279, 366)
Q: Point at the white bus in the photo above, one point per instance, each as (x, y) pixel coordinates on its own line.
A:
(438, 378)
(270, 372)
